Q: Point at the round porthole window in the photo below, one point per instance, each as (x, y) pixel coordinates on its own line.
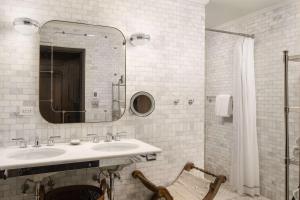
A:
(142, 104)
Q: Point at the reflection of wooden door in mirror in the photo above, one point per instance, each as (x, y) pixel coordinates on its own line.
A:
(67, 101)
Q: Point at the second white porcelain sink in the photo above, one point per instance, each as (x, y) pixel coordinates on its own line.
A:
(36, 153)
(111, 147)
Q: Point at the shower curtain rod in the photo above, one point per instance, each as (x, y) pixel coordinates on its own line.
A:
(232, 33)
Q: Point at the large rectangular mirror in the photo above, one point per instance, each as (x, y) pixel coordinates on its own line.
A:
(82, 73)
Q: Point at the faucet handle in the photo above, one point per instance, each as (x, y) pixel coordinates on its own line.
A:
(109, 137)
(22, 142)
(118, 135)
(94, 137)
(37, 142)
(51, 140)
(17, 139)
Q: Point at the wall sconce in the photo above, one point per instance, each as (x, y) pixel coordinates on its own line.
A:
(26, 26)
(176, 101)
(139, 39)
(191, 101)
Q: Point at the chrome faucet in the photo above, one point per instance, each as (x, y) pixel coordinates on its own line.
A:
(22, 142)
(109, 137)
(37, 142)
(51, 140)
(118, 135)
(93, 137)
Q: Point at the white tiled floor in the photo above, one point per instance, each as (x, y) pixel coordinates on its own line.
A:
(225, 194)
(251, 198)
(239, 197)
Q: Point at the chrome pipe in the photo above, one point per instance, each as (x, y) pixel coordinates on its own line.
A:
(286, 124)
(37, 190)
(231, 33)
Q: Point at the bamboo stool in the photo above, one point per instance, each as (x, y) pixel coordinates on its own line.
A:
(187, 186)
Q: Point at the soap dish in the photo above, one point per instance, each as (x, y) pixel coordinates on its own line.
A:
(75, 142)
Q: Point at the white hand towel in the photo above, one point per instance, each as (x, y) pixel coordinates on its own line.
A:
(298, 141)
(296, 152)
(223, 105)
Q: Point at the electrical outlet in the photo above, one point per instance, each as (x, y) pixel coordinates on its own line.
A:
(26, 111)
(95, 103)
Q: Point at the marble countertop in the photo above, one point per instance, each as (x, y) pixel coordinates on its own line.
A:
(73, 153)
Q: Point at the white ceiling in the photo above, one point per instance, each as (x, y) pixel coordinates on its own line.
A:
(221, 11)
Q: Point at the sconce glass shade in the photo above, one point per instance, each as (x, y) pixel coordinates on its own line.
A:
(26, 26)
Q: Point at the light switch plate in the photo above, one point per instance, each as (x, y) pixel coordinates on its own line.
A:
(26, 111)
(95, 103)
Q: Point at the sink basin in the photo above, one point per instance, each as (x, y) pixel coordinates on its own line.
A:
(36, 153)
(109, 147)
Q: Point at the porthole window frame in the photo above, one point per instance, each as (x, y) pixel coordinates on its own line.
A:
(142, 93)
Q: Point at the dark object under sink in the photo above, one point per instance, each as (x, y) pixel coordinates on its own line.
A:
(76, 192)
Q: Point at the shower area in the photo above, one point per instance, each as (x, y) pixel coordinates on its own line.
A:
(274, 30)
(118, 101)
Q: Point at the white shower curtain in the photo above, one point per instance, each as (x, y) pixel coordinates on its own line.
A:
(245, 162)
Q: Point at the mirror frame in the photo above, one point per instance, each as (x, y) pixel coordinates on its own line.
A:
(125, 66)
(134, 111)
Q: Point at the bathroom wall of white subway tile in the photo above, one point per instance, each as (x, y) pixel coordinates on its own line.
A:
(170, 67)
(276, 29)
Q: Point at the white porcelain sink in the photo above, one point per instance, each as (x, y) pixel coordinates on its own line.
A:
(111, 147)
(36, 153)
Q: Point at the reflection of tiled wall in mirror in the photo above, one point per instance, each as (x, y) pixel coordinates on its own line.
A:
(104, 64)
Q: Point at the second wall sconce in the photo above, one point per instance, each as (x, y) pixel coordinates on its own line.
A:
(26, 26)
(139, 39)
